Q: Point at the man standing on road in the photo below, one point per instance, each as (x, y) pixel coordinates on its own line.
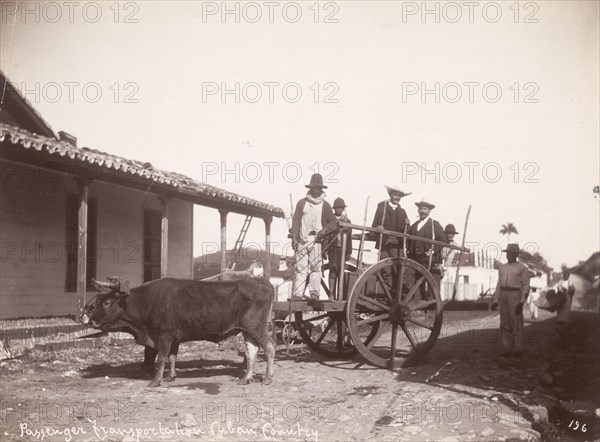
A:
(536, 287)
(311, 216)
(511, 292)
(566, 290)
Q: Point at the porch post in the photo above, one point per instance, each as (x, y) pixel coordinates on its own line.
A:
(267, 269)
(82, 227)
(164, 236)
(223, 214)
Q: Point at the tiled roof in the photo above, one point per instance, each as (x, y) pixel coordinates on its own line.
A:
(179, 182)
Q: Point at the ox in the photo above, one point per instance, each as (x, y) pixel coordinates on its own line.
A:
(163, 313)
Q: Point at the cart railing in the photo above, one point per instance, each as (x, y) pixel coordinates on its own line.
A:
(344, 230)
(402, 235)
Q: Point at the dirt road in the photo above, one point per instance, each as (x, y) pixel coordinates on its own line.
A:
(91, 395)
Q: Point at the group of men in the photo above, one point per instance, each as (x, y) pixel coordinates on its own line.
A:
(314, 217)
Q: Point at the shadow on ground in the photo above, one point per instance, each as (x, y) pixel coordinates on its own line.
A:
(202, 368)
(559, 370)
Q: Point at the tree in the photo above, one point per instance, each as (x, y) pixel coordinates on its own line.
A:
(508, 228)
(535, 261)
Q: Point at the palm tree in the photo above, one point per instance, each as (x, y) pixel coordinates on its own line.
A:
(508, 228)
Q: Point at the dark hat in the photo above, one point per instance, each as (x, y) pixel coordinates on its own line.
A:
(339, 203)
(450, 229)
(512, 248)
(316, 181)
(425, 203)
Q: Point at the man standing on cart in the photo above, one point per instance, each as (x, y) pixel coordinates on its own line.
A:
(428, 255)
(311, 216)
(333, 246)
(390, 216)
(449, 256)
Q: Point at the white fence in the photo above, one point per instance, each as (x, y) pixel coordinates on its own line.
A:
(464, 292)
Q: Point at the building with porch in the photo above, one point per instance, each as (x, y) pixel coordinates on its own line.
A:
(69, 214)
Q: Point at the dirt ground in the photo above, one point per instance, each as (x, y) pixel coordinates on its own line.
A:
(100, 394)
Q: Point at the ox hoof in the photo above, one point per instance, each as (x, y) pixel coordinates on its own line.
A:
(267, 381)
(154, 384)
(170, 379)
(243, 381)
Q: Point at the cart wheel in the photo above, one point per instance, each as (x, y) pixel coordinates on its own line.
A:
(326, 333)
(402, 297)
(289, 333)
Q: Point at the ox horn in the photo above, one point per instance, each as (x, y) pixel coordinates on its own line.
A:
(100, 283)
(108, 285)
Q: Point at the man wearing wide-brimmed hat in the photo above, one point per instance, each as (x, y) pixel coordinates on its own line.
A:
(311, 216)
(390, 216)
(511, 292)
(428, 255)
(333, 245)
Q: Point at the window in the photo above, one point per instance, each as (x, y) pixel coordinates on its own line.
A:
(152, 244)
(71, 238)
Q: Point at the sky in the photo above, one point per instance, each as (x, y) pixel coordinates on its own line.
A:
(493, 105)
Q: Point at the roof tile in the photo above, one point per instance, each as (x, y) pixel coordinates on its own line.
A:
(181, 182)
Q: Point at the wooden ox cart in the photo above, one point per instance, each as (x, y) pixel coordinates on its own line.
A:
(389, 312)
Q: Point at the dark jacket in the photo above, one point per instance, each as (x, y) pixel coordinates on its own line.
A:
(394, 221)
(327, 218)
(333, 240)
(416, 249)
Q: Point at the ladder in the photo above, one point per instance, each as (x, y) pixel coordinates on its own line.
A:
(237, 248)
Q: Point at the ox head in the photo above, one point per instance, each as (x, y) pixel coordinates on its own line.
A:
(104, 309)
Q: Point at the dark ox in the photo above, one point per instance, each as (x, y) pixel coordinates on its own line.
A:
(163, 313)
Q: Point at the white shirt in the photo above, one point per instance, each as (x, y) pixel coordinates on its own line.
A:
(311, 219)
(422, 223)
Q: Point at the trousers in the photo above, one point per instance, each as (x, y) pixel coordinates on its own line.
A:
(308, 264)
(511, 322)
(562, 314)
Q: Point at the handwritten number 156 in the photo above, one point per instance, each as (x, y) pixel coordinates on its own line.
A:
(577, 426)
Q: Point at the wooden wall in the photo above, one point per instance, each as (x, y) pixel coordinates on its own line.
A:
(32, 231)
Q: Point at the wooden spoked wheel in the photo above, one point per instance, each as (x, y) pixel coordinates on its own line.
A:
(326, 333)
(403, 298)
(289, 333)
